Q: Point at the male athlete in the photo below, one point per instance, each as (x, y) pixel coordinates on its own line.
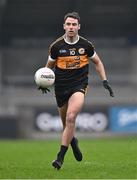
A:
(70, 55)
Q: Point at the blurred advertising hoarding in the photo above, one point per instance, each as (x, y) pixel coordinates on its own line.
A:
(31, 122)
(90, 119)
(123, 119)
(119, 119)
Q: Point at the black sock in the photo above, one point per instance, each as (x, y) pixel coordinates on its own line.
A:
(61, 154)
(72, 141)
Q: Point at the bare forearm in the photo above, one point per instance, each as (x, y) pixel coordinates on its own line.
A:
(99, 67)
(50, 64)
(101, 70)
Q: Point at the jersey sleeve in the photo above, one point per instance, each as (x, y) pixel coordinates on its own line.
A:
(90, 49)
(53, 52)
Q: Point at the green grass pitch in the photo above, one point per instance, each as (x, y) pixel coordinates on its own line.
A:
(104, 158)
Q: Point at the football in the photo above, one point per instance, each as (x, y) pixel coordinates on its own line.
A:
(44, 77)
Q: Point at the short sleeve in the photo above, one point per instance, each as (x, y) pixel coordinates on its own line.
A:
(90, 49)
(53, 52)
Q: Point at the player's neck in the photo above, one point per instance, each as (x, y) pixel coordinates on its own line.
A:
(71, 40)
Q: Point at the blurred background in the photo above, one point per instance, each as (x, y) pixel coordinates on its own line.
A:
(27, 27)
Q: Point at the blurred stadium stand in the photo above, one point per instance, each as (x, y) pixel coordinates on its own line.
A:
(27, 27)
(40, 18)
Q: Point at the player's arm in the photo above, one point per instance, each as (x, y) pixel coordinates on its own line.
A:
(101, 71)
(50, 64)
(52, 57)
(99, 66)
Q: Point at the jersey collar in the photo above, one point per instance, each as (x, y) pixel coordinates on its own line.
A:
(70, 42)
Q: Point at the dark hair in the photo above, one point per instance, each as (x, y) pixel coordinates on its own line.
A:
(74, 15)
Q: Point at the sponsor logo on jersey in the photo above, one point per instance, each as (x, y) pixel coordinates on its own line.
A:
(73, 65)
(77, 58)
(81, 51)
(62, 51)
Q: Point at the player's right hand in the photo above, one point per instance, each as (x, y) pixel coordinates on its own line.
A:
(44, 90)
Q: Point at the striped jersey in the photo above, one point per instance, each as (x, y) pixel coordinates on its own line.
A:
(71, 60)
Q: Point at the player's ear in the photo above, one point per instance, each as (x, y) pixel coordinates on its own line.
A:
(63, 26)
(79, 26)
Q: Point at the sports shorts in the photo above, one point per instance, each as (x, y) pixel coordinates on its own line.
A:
(63, 96)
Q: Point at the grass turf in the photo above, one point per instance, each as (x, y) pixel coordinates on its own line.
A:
(109, 158)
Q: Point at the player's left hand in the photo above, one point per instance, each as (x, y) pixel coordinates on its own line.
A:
(108, 87)
(44, 90)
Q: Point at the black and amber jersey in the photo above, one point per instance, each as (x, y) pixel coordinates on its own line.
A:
(71, 61)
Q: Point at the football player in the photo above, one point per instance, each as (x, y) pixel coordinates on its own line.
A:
(70, 55)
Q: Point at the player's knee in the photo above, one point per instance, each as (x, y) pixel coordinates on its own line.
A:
(70, 119)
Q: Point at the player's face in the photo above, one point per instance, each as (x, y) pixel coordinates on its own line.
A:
(71, 27)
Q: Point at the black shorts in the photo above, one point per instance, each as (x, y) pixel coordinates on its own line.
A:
(63, 96)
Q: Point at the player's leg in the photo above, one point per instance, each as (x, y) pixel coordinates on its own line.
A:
(62, 112)
(75, 104)
(63, 149)
(74, 142)
(76, 150)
